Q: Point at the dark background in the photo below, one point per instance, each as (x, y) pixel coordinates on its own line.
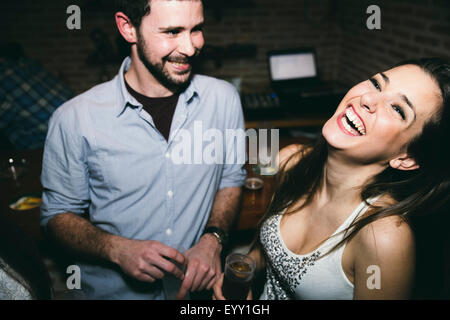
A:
(347, 50)
(238, 35)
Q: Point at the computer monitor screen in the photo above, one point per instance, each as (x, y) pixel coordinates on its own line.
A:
(292, 66)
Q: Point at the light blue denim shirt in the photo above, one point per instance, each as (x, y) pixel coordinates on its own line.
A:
(103, 154)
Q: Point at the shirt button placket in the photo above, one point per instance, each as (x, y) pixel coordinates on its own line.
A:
(170, 204)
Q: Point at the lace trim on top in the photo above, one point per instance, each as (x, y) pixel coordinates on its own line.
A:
(284, 270)
(12, 286)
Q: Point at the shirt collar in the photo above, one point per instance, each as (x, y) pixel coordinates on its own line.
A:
(125, 99)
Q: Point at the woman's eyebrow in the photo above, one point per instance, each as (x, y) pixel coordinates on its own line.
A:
(385, 78)
(409, 103)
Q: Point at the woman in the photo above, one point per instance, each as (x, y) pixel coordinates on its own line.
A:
(337, 226)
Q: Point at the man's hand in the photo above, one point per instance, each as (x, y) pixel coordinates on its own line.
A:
(203, 266)
(147, 260)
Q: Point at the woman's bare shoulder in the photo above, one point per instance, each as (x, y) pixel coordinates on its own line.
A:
(384, 248)
(386, 236)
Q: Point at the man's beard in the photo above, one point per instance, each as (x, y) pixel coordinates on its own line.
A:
(157, 69)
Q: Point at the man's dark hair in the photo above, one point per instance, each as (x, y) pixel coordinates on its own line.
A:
(134, 9)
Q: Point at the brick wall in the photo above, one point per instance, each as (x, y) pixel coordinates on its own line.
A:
(273, 25)
(346, 49)
(409, 29)
(40, 26)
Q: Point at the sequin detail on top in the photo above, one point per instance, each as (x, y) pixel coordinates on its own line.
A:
(284, 271)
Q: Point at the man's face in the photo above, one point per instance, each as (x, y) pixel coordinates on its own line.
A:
(169, 39)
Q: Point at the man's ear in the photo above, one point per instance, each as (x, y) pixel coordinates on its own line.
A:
(126, 28)
(404, 162)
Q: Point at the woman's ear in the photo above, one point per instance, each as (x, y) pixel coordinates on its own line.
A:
(126, 28)
(404, 162)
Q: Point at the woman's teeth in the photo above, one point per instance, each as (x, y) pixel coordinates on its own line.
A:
(351, 118)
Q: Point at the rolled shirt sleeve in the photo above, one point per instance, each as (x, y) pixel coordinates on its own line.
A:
(64, 171)
(233, 173)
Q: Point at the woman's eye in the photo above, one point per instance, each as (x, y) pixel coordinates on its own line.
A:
(375, 84)
(396, 108)
(399, 110)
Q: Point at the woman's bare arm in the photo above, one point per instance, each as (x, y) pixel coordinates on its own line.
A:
(384, 260)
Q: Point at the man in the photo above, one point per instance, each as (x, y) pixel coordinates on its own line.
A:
(109, 151)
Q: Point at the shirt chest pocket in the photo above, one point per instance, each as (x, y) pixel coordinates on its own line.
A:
(130, 171)
(122, 162)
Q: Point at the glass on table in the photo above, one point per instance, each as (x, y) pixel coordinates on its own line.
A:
(13, 168)
(254, 183)
(254, 186)
(268, 148)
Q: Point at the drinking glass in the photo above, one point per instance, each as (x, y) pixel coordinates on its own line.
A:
(238, 276)
(267, 151)
(13, 168)
(254, 186)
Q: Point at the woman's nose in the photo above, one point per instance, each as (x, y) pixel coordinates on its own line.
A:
(370, 101)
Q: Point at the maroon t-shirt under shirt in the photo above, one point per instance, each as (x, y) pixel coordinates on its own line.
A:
(161, 109)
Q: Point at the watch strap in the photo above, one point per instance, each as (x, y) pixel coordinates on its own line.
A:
(220, 234)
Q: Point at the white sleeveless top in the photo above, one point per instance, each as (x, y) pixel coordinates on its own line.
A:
(306, 277)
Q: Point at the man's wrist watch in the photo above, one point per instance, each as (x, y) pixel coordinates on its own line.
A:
(220, 234)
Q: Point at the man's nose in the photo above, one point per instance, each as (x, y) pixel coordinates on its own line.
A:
(186, 46)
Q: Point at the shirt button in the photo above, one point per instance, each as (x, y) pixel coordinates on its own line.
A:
(170, 194)
(169, 232)
(167, 155)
